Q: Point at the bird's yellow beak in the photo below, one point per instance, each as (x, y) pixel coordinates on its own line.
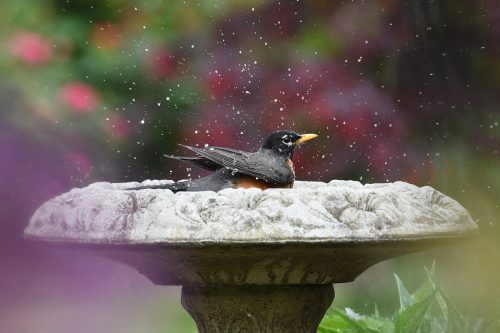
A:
(304, 138)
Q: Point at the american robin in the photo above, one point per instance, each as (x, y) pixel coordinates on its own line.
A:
(269, 167)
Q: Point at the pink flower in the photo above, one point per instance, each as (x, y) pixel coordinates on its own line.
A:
(117, 126)
(31, 48)
(160, 64)
(79, 96)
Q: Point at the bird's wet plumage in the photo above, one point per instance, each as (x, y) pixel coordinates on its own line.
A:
(269, 167)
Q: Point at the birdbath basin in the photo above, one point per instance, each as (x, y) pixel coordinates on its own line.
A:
(252, 260)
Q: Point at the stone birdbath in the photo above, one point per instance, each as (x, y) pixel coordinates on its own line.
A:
(251, 260)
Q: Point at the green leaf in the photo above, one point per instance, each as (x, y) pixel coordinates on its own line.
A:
(353, 324)
(376, 313)
(423, 291)
(455, 319)
(378, 324)
(409, 319)
(427, 288)
(334, 323)
(337, 321)
(405, 298)
(432, 270)
(439, 297)
(415, 315)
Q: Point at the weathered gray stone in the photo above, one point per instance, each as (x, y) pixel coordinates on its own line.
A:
(229, 309)
(313, 211)
(237, 243)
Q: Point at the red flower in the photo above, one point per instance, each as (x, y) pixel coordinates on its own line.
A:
(160, 63)
(31, 48)
(79, 96)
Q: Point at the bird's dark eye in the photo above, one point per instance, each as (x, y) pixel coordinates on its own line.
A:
(286, 140)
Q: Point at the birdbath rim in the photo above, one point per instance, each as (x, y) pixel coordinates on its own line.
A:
(340, 212)
(445, 237)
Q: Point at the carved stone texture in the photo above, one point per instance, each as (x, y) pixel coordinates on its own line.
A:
(257, 309)
(251, 260)
(343, 211)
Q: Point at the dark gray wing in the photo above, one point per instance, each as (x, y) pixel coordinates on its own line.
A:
(259, 165)
(200, 161)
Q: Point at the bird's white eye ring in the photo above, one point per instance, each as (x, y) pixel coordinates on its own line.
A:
(286, 140)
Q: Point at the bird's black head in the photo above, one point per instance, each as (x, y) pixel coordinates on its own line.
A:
(284, 142)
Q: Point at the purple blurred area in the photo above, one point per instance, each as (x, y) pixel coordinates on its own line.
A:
(37, 280)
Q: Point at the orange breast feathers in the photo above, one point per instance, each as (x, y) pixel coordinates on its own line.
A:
(290, 164)
(255, 183)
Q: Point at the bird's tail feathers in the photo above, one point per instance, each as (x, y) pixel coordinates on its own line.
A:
(199, 161)
(174, 187)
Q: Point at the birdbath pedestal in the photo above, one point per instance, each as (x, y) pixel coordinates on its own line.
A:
(252, 260)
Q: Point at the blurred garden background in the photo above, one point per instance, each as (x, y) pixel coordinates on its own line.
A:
(100, 90)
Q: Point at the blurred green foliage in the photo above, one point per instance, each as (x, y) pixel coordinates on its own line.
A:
(415, 315)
